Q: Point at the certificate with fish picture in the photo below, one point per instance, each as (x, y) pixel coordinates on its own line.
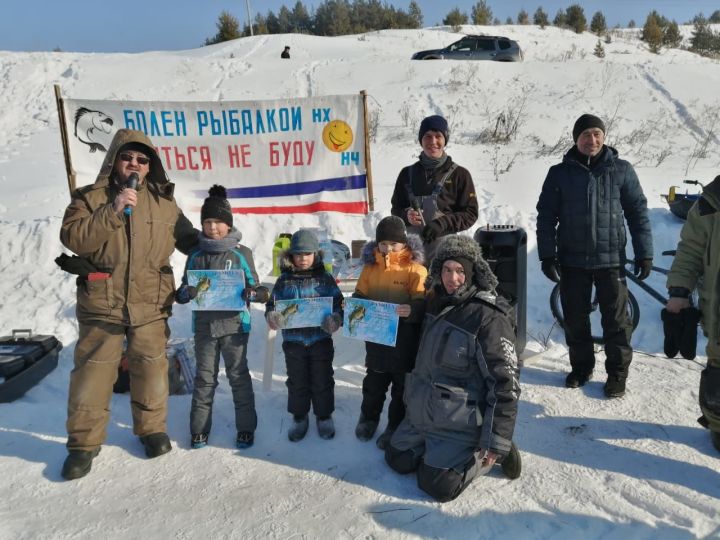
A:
(217, 290)
(304, 312)
(371, 321)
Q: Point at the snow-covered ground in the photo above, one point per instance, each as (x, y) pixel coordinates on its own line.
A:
(637, 467)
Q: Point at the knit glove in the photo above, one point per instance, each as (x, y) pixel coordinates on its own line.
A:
(551, 269)
(643, 268)
(185, 293)
(431, 231)
(275, 320)
(259, 294)
(331, 323)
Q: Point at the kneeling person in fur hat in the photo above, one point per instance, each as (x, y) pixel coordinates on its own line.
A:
(466, 373)
(309, 351)
(225, 332)
(393, 272)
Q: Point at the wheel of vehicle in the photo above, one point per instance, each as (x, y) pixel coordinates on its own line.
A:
(633, 310)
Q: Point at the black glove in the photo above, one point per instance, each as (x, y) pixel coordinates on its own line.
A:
(431, 231)
(672, 327)
(259, 294)
(185, 293)
(642, 268)
(688, 338)
(551, 269)
(75, 265)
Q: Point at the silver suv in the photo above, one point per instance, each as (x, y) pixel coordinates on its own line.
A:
(496, 48)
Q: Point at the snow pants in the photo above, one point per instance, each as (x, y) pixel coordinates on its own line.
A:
(310, 377)
(207, 357)
(444, 467)
(710, 388)
(375, 386)
(97, 356)
(612, 295)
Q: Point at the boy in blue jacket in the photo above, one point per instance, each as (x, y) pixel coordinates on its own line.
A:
(308, 352)
(225, 332)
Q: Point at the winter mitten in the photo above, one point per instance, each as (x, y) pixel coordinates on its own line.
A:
(75, 265)
(688, 336)
(673, 328)
(331, 323)
(643, 268)
(551, 269)
(431, 231)
(275, 320)
(185, 293)
(259, 294)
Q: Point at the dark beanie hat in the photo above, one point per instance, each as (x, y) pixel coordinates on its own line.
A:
(392, 229)
(304, 241)
(586, 121)
(467, 265)
(216, 206)
(434, 123)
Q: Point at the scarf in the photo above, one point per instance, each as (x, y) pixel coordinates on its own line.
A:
(220, 245)
(430, 164)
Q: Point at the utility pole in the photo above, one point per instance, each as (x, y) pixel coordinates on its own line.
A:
(247, 5)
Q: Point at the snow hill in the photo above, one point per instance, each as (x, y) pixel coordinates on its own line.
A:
(637, 467)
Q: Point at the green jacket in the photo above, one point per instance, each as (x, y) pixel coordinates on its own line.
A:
(698, 255)
(134, 250)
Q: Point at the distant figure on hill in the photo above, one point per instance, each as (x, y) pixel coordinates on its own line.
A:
(434, 196)
(582, 210)
(286, 52)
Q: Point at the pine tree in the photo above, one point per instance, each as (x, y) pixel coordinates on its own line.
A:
(540, 18)
(599, 50)
(597, 24)
(481, 13)
(703, 40)
(575, 16)
(560, 19)
(523, 17)
(455, 18)
(228, 28)
(652, 34)
(301, 21)
(632, 23)
(715, 17)
(284, 21)
(415, 15)
(671, 36)
(509, 20)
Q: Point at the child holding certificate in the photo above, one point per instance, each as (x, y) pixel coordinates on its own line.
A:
(216, 330)
(308, 350)
(393, 272)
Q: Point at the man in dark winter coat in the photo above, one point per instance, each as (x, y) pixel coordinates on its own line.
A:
(462, 396)
(698, 255)
(581, 241)
(128, 234)
(435, 196)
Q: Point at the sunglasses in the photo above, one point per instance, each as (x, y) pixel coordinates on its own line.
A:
(142, 160)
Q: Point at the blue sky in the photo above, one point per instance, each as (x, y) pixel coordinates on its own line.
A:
(142, 25)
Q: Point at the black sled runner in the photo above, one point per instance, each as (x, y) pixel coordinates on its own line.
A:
(25, 359)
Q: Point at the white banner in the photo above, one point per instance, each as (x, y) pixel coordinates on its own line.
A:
(276, 156)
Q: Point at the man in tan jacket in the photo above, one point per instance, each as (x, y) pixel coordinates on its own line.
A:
(128, 235)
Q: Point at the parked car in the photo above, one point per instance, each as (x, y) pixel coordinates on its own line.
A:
(500, 49)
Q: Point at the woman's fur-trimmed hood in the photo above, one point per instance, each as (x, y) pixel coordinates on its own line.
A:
(453, 246)
(367, 256)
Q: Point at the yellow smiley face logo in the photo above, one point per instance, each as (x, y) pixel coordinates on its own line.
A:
(337, 135)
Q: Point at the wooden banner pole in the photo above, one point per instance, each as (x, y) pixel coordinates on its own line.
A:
(64, 138)
(368, 161)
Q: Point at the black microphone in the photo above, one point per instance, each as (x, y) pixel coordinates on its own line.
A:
(132, 183)
(416, 206)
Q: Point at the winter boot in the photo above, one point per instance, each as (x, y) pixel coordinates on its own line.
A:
(325, 427)
(575, 379)
(198, 440)
(156, 444)
(512, 464)
(365, 428)
(78, 463)
(245, 439)
(383, 440)
(299, 428)
(715, 438)
(614, 387)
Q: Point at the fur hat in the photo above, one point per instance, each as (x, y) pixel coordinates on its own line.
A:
(216, 206)
(304, 241)
(434, 123)
(455, 247)
(392, 229)
(586, 121)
